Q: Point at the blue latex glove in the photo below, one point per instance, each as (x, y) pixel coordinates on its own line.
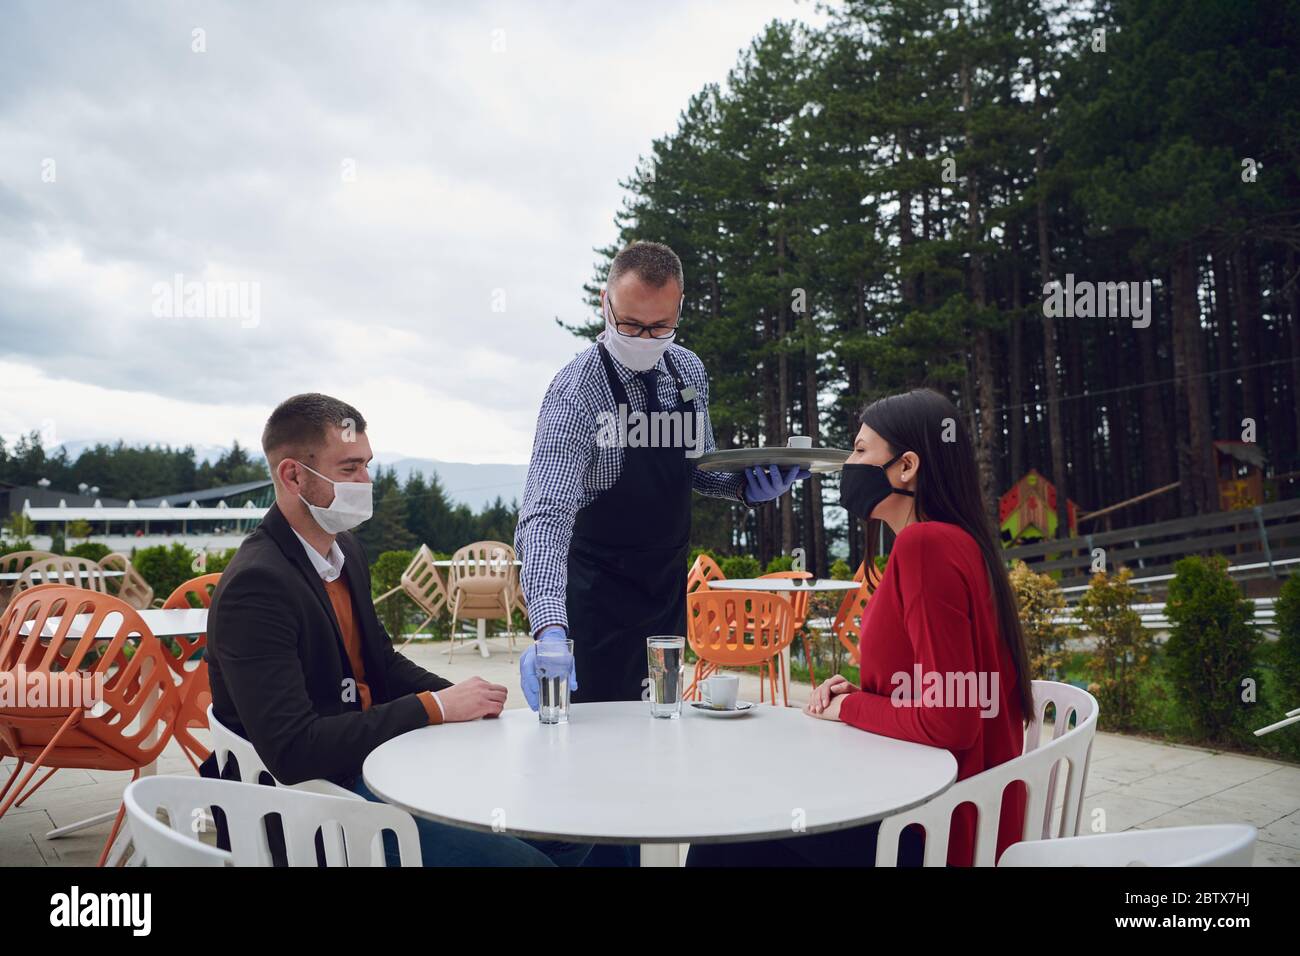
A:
(528, 680)
(765, 482)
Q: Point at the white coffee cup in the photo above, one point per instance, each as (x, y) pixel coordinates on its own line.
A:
(799, 441)
(720, 691)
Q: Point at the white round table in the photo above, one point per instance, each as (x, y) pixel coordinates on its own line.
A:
(169, 622)
(614, 774)
(65, 576)
(783, 584)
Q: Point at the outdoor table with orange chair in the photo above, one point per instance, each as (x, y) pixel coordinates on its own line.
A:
(141, 710)
(794, 589)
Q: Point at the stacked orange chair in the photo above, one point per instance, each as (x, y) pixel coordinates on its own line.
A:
(125, 729)
(848, 621)
(737, 629)
(704, 570)
(189, 665)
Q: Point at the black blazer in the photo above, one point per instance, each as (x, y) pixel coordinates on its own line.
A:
(278, 667)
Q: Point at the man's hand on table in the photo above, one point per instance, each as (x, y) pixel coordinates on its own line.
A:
(472, 699)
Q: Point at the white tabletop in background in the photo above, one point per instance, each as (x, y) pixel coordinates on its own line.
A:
(67, 575)
(181, 622)
(783, 584)
(491, 561)
(614, 774)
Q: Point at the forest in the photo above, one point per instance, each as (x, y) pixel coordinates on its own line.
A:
(913, 193)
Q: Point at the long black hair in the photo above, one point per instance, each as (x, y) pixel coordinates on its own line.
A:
(947, 489)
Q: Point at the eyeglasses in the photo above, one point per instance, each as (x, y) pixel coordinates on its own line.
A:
(634, 330)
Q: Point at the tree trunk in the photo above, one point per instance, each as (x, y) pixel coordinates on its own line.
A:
(1195, 470)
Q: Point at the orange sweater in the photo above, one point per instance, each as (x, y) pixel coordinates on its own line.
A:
(341, 599)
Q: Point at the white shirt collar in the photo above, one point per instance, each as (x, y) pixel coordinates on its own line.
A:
(328, 567)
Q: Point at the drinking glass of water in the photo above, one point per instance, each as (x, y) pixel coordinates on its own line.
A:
(666, 657)
(554, 663)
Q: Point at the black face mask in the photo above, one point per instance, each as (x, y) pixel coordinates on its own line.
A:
(862, 487)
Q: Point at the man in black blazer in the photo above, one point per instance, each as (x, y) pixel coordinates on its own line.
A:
(298, 661)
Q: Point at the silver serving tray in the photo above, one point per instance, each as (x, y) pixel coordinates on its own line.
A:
(820, 460)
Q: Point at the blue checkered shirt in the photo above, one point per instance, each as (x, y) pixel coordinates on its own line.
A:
(570, 468)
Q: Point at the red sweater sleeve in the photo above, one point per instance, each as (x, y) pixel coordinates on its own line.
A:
(935, 596)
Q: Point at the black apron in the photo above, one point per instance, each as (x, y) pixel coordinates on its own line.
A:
(627, 560)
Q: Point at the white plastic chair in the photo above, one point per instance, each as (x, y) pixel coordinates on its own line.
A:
(1225, 844)
(1036, 767)
(352, 832)
(226, 743)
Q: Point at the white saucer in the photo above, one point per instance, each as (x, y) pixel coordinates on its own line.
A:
(743, 707)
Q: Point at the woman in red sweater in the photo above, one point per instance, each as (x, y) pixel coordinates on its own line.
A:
(942, 653)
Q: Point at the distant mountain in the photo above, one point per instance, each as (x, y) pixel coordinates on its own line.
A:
(475, 485)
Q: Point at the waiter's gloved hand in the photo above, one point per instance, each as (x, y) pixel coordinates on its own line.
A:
(766, 482)
(528, 665)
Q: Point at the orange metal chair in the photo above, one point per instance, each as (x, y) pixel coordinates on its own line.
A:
(196, 694)
(799, 603)
(704, 570)
(124, 729)
(737, 629)
(848, 620)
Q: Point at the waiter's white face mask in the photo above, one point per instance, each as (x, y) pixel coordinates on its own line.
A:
(640, 354)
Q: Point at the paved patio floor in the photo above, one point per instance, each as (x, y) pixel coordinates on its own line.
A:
(1132, 782)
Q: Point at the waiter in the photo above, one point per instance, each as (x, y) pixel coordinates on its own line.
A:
(604, 530)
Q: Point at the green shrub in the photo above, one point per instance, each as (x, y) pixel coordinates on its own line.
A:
(1040, 600)
(12, 547)
(386, 574)
(90, 550)
(840, 570)
(216, 563)
(165, 568)
(782, 562)
(57, 542)
(740, 566)
(1211, 647)
(1286, 655)
(1124, 647)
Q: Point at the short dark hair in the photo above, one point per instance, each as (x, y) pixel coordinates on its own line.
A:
(299, 423)
(653, 262)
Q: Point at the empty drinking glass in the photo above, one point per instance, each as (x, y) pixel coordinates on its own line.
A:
(666, 659)
(554, 663)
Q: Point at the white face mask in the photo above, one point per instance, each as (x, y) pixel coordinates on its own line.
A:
(640, 354)
(353, 503)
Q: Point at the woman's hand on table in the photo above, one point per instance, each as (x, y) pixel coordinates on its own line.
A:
(826, 695)
(830, 712)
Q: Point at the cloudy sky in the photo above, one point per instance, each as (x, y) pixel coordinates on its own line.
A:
(406, 195)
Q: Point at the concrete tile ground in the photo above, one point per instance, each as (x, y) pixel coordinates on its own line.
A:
(1132, 782)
